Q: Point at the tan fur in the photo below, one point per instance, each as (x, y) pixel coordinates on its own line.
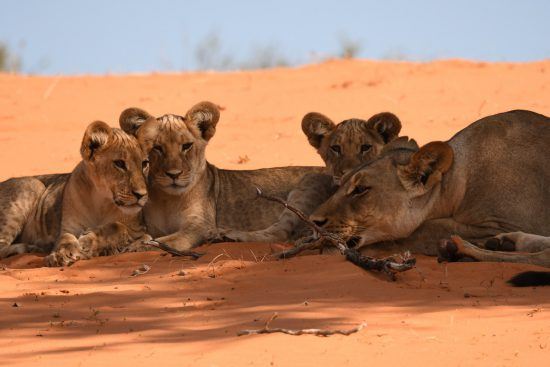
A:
(352, 142)
(342, 147)
(490, 178)
(94, 210)
(191, 199)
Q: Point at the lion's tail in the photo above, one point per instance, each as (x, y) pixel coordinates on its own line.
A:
(530, 279)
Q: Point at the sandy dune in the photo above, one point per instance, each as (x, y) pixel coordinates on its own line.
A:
(187, 313)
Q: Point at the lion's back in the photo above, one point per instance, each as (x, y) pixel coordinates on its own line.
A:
(504, 159)
(238, 205)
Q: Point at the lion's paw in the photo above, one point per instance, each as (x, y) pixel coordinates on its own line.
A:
(500, 244)
(66, 252)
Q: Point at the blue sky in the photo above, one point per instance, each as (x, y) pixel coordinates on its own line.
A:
(100, 36)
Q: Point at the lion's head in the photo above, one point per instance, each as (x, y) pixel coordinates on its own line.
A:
(116, 164)
(352, 142)
(178, 143)
(388, 198)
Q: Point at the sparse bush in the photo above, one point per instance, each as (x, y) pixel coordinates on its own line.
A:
(349, 48)
(209, 54)
(264, 57)
(9, 61)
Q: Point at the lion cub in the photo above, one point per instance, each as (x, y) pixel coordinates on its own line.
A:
(94, 210)
(190, 199)
(343, 147)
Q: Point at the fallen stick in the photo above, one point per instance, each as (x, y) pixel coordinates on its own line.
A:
(323, 238)
(298, 248)
(318, 332)
(171, 250)
(144, 268)
(389, 265)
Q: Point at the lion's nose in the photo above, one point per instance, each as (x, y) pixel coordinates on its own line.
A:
(139, 194)
(319, 221)
(173, 174)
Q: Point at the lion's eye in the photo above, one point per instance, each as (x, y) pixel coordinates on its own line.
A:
(365, 148)
(359, 190)
(186, 146)
(145, 164)
(336, 149)
(158, 148)
(119, 163)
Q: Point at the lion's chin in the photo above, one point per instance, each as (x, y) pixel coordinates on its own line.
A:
(175, 189)
(130, 209)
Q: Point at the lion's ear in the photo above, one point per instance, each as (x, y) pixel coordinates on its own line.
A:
(386, 124)
(132, 118)
(317, 126)
(203, 117)
(95, 138)
(427, 166)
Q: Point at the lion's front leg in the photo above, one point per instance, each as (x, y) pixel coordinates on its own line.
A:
(109, 239)
(105, 240)
(67, 251)
(265, 235)
(183, 240)
(140, 245)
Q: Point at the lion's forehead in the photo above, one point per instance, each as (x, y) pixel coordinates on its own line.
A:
(352, 133)
(173, 130)
(124, 146)
(172, 122)
(377, 170)
(370, 172)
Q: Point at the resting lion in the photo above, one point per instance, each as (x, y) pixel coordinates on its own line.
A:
(191, 200)
(489, 184)
(94, 210)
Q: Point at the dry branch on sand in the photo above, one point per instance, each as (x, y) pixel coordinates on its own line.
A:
(322, 238)
(144, 268)
(318, 332)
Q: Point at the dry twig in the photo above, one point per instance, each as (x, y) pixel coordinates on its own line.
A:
(319, 332)
(144, 268)
(323, 238)
(213, 261)
(171, 250)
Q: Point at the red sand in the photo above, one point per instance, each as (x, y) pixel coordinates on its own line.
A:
(95, 313)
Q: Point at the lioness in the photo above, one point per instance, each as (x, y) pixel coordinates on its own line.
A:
(93, 210)
(190, 199)
(488, 180)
